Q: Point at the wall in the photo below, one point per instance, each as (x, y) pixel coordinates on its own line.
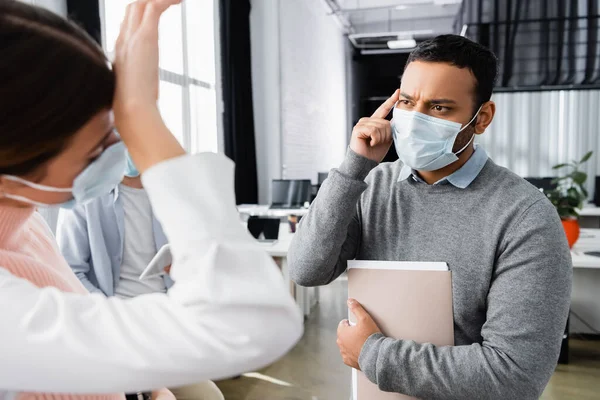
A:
(299, 79)
(533, 131)
(266, 91)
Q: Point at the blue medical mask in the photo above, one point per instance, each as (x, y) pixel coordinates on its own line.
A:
(131, 170)
(99, 178)
(425, 143)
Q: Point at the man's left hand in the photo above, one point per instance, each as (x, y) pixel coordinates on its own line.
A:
(350, 339)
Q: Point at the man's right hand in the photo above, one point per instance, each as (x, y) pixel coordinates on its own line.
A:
(372, 137)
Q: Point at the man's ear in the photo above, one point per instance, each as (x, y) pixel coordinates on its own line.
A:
(485, 117)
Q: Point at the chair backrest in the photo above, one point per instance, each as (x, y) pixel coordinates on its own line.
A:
(269, 227)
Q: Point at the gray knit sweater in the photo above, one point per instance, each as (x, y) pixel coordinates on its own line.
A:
(510, 263)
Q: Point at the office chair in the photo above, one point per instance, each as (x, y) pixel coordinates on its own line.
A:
(269, 227)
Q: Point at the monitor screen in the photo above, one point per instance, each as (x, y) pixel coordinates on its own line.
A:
(290, 193)
(322, 176)
(542, 183)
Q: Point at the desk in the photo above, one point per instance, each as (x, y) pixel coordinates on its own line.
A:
(305, 297)
(590, 210)
(258, 210)
(589, 240)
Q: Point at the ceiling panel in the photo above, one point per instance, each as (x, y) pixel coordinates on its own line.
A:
(368, 16)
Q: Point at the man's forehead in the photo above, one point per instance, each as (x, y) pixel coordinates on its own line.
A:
(435, 79)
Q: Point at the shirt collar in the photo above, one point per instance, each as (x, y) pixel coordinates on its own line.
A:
(461, 178)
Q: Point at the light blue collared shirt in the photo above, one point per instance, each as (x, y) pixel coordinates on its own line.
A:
(461, 178)
(91, 237)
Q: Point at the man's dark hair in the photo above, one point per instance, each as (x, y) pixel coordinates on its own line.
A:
(463, 53)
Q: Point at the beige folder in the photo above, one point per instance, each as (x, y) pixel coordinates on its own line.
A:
(407, 300)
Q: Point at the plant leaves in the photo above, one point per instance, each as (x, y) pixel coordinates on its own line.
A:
(566, 212)
(572, 193)
(574, 213)
(586, 157)
(573, 202)
(579, 177)
(560, 166)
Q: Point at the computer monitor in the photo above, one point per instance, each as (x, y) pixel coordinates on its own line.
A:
(322, 176)
(290, 193)
(542, 183)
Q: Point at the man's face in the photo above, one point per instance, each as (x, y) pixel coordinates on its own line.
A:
(443, 91)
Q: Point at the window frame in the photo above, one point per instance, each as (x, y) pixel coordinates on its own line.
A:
(184, 79)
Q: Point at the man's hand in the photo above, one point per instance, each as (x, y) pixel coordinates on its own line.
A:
(372, 137)
(167, 269)
(352, 338)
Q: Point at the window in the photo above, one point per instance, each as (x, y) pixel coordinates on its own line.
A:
(188, 94)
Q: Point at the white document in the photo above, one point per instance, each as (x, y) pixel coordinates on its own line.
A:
(399, 265)
(157, 265)
(390, 265)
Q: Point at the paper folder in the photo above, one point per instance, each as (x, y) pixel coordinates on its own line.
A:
(407, 300)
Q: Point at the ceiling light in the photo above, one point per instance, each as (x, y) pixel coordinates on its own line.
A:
(402, 44)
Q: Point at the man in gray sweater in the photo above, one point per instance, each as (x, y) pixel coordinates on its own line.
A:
(444, 200)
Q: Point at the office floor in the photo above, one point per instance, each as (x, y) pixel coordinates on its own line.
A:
(313, 370)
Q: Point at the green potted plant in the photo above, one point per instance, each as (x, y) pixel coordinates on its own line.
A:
(569, 195)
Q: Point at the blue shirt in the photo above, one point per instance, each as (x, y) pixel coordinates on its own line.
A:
(460, 178)
(90, 237)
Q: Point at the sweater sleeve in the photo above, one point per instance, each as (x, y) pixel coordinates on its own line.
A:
(527, 309)
(329, 235)
(229, 311)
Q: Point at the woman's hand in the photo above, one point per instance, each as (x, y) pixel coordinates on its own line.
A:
(136, 55)
(136, 66)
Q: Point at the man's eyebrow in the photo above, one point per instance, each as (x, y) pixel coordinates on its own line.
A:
(441, 101)
(406, 96)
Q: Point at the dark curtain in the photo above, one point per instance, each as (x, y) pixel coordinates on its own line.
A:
(86, 13)
(540, 44)
(237, 97)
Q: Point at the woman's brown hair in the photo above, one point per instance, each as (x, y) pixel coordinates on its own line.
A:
(53, 79)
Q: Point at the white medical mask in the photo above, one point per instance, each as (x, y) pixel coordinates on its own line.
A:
(99, 178)
(425, 143)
